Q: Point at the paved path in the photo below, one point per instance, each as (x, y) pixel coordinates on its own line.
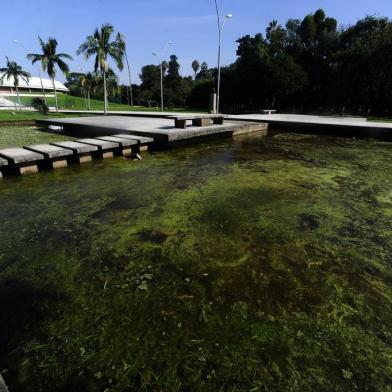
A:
(6, 104)
(160, 129)
(269, 118)
(305, 119)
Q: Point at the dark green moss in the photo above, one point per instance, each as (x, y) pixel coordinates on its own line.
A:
(248, 265)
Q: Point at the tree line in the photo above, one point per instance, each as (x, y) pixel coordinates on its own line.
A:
(308, 65)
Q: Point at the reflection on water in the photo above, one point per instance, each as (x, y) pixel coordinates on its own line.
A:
(254, 264)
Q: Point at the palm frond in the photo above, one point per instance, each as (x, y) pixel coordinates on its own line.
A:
(65, 56)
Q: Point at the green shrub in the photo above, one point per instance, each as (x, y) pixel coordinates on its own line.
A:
(39, 104)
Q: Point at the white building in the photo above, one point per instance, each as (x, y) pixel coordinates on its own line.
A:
(34, 86)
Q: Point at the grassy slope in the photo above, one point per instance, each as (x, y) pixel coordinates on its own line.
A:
(18, 116)
(78, 103)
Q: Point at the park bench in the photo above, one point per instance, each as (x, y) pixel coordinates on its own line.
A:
(269, 111)
(198, 121)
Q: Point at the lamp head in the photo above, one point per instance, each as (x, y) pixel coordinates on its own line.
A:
(229, 16)
(15, 41)
(154, 53)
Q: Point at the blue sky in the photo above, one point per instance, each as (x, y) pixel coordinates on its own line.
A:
(149, 24)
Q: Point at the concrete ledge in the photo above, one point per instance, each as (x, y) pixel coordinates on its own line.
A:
(20, 156)
(139, 139)
(142, 142)
(102, 145)
(105, 148)
(55, 157)
(126, 146)
(49, 151)
(81, 152)
(21, 161)
(77, 148)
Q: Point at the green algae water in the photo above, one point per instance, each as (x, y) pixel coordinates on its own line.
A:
(254, 264)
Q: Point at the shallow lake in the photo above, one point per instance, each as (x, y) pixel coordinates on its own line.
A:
(253, 264)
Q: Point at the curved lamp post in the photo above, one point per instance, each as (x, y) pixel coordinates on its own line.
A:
(17, 42)
(159, 57)
(220, 34)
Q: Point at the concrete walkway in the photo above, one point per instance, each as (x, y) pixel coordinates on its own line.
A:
(162, 130)
(330, 125)
(308, 119)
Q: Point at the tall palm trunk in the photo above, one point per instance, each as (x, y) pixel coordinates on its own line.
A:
(55, 95)
(85, 97)
(88, 99)
(17, 94)
(105, 94)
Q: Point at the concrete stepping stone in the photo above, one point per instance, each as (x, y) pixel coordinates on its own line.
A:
(142, 140)
(21, 160)
(105, 147)
(126, 145)
(82, 153)
(3, 165)
(55, 157)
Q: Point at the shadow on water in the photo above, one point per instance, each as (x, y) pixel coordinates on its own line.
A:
(24, 308)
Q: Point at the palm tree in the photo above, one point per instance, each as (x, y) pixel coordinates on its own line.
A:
(15, 71)
(195, 67)
(100, 45)
(89, 83)
(121, 40)
(49, 59)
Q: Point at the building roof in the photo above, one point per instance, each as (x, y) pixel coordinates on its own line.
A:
(34, 83)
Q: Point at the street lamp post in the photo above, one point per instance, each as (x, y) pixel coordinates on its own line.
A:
(17, 42)
(220, 34)
(130, 79)
(159, 57)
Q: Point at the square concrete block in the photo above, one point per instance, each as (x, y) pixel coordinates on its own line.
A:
(59, 164)
(28, 170)
(107, 155)
(180, 124)
(201, 122)
(85, 159)
(218, 120)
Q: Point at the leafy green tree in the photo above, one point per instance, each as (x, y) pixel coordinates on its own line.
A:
(100, 46)
(204, 71)
(73, 83)
(195, 67)
(174, 83)
(90, 82)
(149, 92)
(14, 71)
(50, 59)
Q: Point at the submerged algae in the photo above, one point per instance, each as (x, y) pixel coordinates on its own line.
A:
(261, 264)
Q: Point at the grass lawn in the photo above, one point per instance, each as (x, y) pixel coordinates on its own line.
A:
(78, 103)
(380, 119)
(22, 116)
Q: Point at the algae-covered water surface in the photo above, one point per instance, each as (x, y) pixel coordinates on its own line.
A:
(256, 264)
